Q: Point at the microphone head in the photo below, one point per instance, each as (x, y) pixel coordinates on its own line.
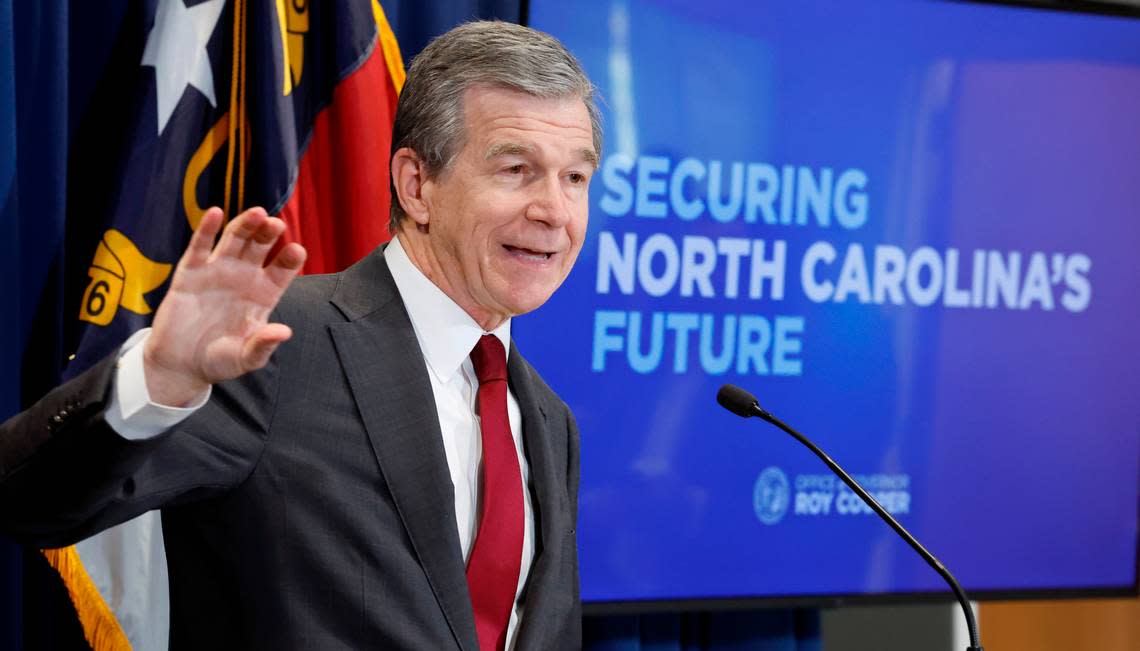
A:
(738, 401)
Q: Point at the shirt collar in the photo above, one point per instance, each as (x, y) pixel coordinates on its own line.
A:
(445, 332)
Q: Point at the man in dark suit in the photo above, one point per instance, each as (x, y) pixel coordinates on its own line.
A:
(371, 486)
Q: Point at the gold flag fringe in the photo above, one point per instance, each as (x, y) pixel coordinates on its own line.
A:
(100, 626)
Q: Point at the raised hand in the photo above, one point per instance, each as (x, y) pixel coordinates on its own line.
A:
(213, 324)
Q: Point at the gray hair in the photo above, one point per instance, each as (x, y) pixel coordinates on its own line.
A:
(429, 117)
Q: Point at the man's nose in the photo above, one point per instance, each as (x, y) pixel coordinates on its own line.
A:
(549, 204)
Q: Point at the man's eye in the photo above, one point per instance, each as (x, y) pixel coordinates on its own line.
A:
(516, 169)
(577, 178)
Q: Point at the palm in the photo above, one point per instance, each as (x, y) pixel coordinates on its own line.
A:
(213, 323)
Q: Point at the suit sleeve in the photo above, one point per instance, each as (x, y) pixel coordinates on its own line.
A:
(65, 474)
(72, 406)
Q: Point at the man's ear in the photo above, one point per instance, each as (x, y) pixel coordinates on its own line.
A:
(408, 176)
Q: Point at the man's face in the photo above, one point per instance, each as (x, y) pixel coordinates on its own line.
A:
(507, 218)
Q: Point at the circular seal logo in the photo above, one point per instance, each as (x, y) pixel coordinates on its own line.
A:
(771, 495)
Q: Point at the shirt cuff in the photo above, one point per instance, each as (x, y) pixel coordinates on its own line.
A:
(131, 413)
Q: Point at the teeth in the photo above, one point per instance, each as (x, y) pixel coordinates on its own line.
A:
(528, 253)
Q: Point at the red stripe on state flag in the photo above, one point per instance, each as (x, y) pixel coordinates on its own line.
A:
(339, 206)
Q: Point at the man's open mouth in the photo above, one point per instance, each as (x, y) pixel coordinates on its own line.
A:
(528, 253)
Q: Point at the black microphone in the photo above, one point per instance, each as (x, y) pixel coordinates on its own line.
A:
(745, 405)
(739, 401)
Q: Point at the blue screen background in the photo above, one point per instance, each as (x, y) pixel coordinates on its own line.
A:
(979, 127)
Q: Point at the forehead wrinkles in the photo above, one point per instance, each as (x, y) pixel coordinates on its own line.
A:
(530, 123)
(521, 140)
(498, 108)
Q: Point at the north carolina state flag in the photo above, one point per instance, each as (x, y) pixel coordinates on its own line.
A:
(286, 104)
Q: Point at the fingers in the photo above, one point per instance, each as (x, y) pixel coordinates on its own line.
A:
(239, 232)
(262, 240)
(286, 264)
(259, 347)
(198, 251)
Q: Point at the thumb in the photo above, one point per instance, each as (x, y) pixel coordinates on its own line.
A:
(259, 346)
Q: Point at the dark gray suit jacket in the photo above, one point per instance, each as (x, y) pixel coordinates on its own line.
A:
(308, 505)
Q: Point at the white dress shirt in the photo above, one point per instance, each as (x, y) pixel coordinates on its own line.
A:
(446, 335)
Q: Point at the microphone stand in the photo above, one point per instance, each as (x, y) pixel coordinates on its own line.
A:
(971, 623)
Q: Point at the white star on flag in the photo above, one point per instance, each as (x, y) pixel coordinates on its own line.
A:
(176, 49)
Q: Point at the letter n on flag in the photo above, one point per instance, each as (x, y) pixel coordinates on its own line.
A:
(285, 104)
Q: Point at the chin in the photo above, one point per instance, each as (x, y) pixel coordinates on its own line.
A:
(528, 300)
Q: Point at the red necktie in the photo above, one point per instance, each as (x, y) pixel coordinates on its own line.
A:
(493, 569)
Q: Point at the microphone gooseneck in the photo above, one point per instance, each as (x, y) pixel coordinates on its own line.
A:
(745, 405)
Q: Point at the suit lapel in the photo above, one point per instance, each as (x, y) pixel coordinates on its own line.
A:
(540, 456)
(398, 410)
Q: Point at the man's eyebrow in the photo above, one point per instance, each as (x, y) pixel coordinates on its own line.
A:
(507, 149)
(518, 149)
(589, 155)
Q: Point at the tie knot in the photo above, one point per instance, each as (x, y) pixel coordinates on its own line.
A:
(489, 359)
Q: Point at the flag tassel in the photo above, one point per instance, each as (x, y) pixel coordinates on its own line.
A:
(100, 627)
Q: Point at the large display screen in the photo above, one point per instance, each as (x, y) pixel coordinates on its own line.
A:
(912, 229)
